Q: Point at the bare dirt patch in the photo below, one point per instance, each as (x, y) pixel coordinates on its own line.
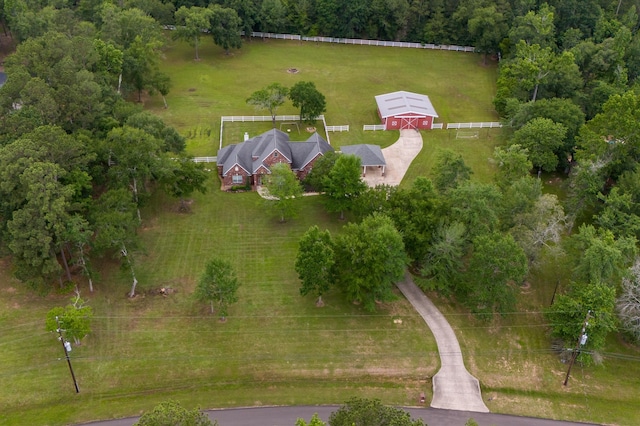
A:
(293, 70)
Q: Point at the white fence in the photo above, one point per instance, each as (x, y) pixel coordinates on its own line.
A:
(436, 126)
(362, 42)
(337, 128)
(373, 127)
(484, 125)
(255, 118)
(205, 159)
(243, 118)
(365, 42)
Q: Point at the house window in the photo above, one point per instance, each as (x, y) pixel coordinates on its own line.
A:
(275, 154)
(237, 179)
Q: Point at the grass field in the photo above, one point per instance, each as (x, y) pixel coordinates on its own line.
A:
(277, 347)
(460, 88)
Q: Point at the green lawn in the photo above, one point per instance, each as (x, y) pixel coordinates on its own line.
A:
(460, 87)
(275, 348)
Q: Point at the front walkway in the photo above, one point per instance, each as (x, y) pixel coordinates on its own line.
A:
(398, 158)
(453, 387)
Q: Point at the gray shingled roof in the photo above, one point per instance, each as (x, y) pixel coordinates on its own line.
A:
(370, 155)
(305, 152)
(250, 154)
(399, 103)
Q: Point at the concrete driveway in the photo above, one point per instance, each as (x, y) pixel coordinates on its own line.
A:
(398, 158)
(453, 387)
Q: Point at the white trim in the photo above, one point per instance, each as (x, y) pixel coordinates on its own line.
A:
(280, 152)
(305, 164)
(236, 164)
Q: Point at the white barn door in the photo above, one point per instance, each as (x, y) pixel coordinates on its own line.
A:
(409, 123)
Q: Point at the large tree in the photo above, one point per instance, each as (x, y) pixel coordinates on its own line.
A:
(133, 158)
(450, 170)
(114, 218)
(542, 138)
(534, 27)
(513, 163)
(496, 267)
(476, 206)
(269, 98)
(184, 178)
(191, 23)
(559, 110)
(599, 256)
(532, 68)
(314, 263)
(284, 191)
(415, 212)
(218, 286)
(594, 302)
(311, 102)
(225, 26)
(487, 28)
(444, 257)
(541, 227)
(36, 230)
(343, 184)
(369, 258)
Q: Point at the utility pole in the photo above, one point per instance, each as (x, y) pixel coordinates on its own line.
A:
(581, 342)
(66, 346)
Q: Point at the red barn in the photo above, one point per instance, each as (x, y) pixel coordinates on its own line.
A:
(405, 110)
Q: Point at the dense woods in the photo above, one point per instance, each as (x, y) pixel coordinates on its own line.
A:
(78, 159)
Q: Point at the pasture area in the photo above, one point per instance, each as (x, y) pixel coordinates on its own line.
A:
(459, 86)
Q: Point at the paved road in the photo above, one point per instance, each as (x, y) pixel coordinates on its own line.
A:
(453, 387)
(287, 416)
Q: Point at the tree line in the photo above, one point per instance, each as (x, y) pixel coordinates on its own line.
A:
(474, 242)
(77, 160)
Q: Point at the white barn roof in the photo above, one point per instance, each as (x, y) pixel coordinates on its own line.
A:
(400, 103)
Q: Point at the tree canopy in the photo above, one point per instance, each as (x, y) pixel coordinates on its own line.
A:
(311, 102)
(218, 285)
(314, 263)
(343, 184)
(369, 259)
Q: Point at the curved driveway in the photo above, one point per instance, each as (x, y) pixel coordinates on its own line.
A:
(453, 387)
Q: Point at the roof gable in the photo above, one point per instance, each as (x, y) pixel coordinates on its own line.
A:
(399, 103)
